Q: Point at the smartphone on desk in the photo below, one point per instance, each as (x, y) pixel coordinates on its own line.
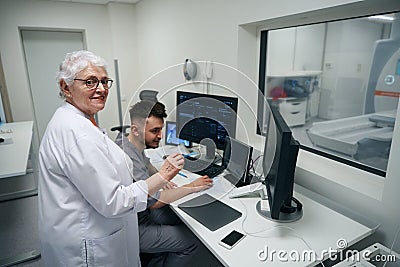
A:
(231, 239)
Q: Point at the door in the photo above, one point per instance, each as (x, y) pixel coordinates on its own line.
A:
(44, 52)
(5, 110)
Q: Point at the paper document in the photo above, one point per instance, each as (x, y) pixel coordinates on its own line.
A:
(220, 188)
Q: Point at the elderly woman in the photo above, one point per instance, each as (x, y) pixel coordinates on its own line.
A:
(87, 201)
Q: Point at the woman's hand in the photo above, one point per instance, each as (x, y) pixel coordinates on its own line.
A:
(170, 185)
(172, 165)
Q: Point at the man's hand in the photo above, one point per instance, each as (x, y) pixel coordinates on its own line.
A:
(172, 165)
(201, 183)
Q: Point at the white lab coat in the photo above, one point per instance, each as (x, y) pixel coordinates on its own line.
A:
(87, 201)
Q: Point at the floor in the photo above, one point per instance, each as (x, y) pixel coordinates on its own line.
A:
(19, 229)
(19, 233)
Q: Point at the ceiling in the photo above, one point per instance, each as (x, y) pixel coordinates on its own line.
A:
(99, 2)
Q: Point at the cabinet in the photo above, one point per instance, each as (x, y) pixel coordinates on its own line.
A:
(296, 95)
(15, 152)
(293, 110)
(294, 61)
(295, 49)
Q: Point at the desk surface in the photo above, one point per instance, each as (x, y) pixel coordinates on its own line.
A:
(14, 152)
(320, 229)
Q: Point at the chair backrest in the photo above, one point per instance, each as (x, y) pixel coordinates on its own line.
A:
(148, 95)
(121, 129)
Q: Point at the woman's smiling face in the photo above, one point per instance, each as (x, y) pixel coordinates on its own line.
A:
(89, 101)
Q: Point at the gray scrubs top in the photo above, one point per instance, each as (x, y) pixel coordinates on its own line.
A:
(140, 171)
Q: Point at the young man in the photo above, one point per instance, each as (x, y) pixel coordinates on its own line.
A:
(160, 230)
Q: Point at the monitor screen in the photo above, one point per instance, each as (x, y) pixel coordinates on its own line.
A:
(280, 156)
(237, 159)
(170, 135)
(203, 116)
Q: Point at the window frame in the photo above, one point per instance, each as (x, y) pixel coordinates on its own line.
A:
(262, 68)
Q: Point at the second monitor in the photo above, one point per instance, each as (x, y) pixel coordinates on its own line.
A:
(171, 136)
(204, 118)
(238, 159)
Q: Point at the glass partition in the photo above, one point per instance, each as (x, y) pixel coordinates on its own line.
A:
(337, 86)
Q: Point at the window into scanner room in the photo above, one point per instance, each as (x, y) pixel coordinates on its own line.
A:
(337, 86)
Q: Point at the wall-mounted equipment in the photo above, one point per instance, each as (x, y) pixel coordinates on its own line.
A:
(189, 69)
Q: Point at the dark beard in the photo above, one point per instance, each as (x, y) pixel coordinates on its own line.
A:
(147, 147)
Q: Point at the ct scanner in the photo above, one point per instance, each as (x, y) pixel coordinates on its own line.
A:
(372, 132)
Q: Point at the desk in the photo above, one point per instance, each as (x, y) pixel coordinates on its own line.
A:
(318, 230)
(14, 154)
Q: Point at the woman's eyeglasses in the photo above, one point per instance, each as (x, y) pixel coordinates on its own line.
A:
(93, 83)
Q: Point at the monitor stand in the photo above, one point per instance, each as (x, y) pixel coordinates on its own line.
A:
(238, 182)
(283, 217)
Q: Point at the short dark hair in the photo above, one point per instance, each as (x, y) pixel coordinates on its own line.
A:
(145, 109)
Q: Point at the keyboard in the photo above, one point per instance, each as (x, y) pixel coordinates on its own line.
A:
(211, 171)
(202, 167)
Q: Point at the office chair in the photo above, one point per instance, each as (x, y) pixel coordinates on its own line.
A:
(121, 129)
(150, 95)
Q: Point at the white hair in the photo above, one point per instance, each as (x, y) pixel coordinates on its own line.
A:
(75, 62)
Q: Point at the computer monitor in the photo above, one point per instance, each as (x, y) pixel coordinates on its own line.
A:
(206, 119)
(170, 135)
(280, 156)
(237, 159)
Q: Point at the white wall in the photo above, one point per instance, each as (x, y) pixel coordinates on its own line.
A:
(145, 38)
(108, 31)
(344, 81)
(154, 35)
(124, 42)
(170, 31)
